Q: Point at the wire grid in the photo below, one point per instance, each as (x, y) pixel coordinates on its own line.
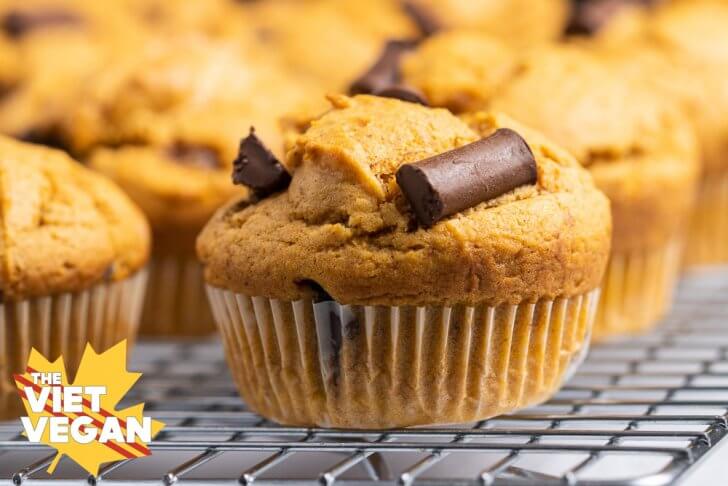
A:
(640, 411)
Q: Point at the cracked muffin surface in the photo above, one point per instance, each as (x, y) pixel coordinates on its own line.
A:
(344, 225)
(63, 228)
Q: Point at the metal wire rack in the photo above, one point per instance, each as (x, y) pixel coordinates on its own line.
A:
(640, 411)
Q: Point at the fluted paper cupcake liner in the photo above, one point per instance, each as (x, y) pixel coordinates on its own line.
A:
(176, 304)
(61, 325)
(708, 238)
(332, 365)
(637, 290)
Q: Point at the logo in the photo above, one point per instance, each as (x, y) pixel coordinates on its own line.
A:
(80, 420)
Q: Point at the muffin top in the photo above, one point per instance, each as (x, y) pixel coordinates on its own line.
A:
(344, 226)
(461, 70)
(64, 228)
(517, 22)
(681, 47)
(143, 99)
(60, 43)
(166, 125)
(638, 144)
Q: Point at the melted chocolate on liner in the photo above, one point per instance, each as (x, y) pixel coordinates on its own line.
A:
(257, 167)
(18, 23)
(385, 71)
(453, 181)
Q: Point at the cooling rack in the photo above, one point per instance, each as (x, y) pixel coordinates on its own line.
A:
(639, 412)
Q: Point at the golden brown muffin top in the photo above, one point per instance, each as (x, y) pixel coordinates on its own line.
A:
(166, 124)
(344, 225)
(638, 144)
(62, 227)
(460, 70)
(681, 48)
(60, 43)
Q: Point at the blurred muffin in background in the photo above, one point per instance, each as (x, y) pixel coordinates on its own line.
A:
(518, 22)
(72, 257)
(638, 145)
(681, 47)
(329, 41)
(642, 152)
(165, 125)
(60, 42)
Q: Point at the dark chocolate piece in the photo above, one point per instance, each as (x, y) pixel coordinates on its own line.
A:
(44, 136)
(197, 156)
(319, 293)
(462, 178)
(589, 16)
(18, 23)
(404, 93)
(425, 21)
(257, 167)
(385, 71)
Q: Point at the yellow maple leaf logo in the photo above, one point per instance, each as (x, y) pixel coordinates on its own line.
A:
(80, 420)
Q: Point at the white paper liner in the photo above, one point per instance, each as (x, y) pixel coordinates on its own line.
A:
(332, 365)
(176, 304)
(708, 237)
(637, 290)
(62, 324)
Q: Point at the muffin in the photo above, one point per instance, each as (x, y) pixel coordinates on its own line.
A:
(638, 145)
(58, 44)
(166, 126)
(685, 42)
(375, 308)
(73, 249)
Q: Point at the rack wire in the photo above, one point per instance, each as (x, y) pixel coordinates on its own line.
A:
(641, 411)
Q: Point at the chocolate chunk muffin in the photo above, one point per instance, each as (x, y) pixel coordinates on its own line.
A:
(166, 127)
(72, 251)
(638, 145)
(682, 48)
(382, 289)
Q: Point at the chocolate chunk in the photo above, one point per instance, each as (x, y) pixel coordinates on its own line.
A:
(196, 156)
(462, 178)
(424, 20)
(18, 23)
(589, 16)
(257, 167)
(385, 71)
(44, 136)
(2, 297)
(404, 93)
